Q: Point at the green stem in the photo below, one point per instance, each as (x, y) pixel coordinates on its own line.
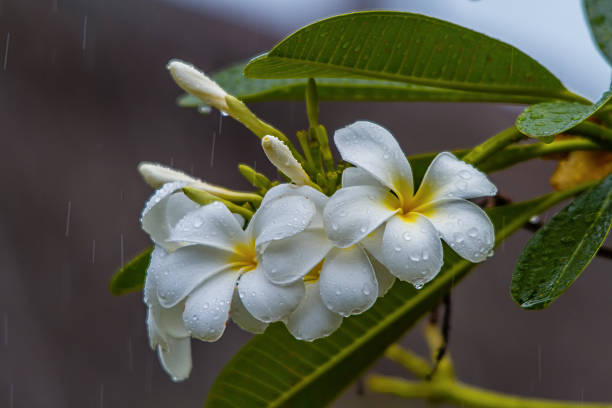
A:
(309, 165)
(516, 154)
(457, 393)
(312, 103)
(326, 154)
(204, 198)
(595, 132)
(239, 111)
(493, 145)
(412, 362)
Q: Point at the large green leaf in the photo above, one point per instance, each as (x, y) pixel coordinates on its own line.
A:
(599, 14)
(558, 253)
(410, 48)
(545, 120)
(131, 277)
(275, 370)
(344, 89)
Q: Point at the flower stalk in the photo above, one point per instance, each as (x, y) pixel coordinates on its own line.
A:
(203, 197)
(492, 145)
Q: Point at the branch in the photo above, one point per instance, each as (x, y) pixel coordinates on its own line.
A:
(457, 393)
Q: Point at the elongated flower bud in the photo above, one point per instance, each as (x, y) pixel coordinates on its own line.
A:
(157, 175)
(279, 154)
(194, 81)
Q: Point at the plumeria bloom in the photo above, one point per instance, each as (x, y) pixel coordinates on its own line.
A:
(338, 281)
(218, 258)
(377, 206)
(167, 331)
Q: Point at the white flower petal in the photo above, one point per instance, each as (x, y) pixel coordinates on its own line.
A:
(373, 242)
(354, 176)
(266, 301)
(243, 318)
(207, 308)
(150, 286)
(176, 358)
(348, 284)
(411, 249)
(383, 276)
(318, 198)
(180, 272)
(212, 225)
(280, 218)
(312, 319)
(354, 212)
(449, 177)
(464, 226)
(374, 149)
(163, 211)
(170, 321)
(287, 260)
(156, 337)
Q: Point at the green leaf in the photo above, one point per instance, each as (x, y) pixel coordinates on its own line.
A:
(410, 48)
(599, 15)
(557, 253)
(275, 370)
(545, 120)
(131, 277)
(343, 89)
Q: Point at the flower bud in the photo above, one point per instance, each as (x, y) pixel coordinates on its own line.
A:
(279, 154)
(197, 84)
(157, 175)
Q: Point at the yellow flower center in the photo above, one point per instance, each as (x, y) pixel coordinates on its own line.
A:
(244, 257)
(314, 274)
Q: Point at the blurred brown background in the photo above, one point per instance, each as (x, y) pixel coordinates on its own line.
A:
(84, 97)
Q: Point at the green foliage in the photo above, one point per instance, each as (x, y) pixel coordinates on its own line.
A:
(276, 370)
(545, 120)
(557, 254)
(409, 48)
(344, 89)
(599, 14)
(131, 277)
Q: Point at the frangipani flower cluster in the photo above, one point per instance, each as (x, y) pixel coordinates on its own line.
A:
(304, 259)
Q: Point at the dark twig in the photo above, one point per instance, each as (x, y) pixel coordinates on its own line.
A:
(445, 330)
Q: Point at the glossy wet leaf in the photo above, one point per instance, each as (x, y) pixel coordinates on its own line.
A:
(344, 89)
(407, 47)
(547, 119)
(557, 253)
(275, 370)
(599, 15)
(131, 277)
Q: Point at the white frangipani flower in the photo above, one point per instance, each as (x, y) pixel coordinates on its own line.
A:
(193, 81)
(377, 206)
(338, 281)
(219, 257)
(167, 331)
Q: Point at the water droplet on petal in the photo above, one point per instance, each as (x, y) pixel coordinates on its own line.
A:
(407, 236)
(472, 232)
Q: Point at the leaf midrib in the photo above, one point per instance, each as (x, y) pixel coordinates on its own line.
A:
(365, 74)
